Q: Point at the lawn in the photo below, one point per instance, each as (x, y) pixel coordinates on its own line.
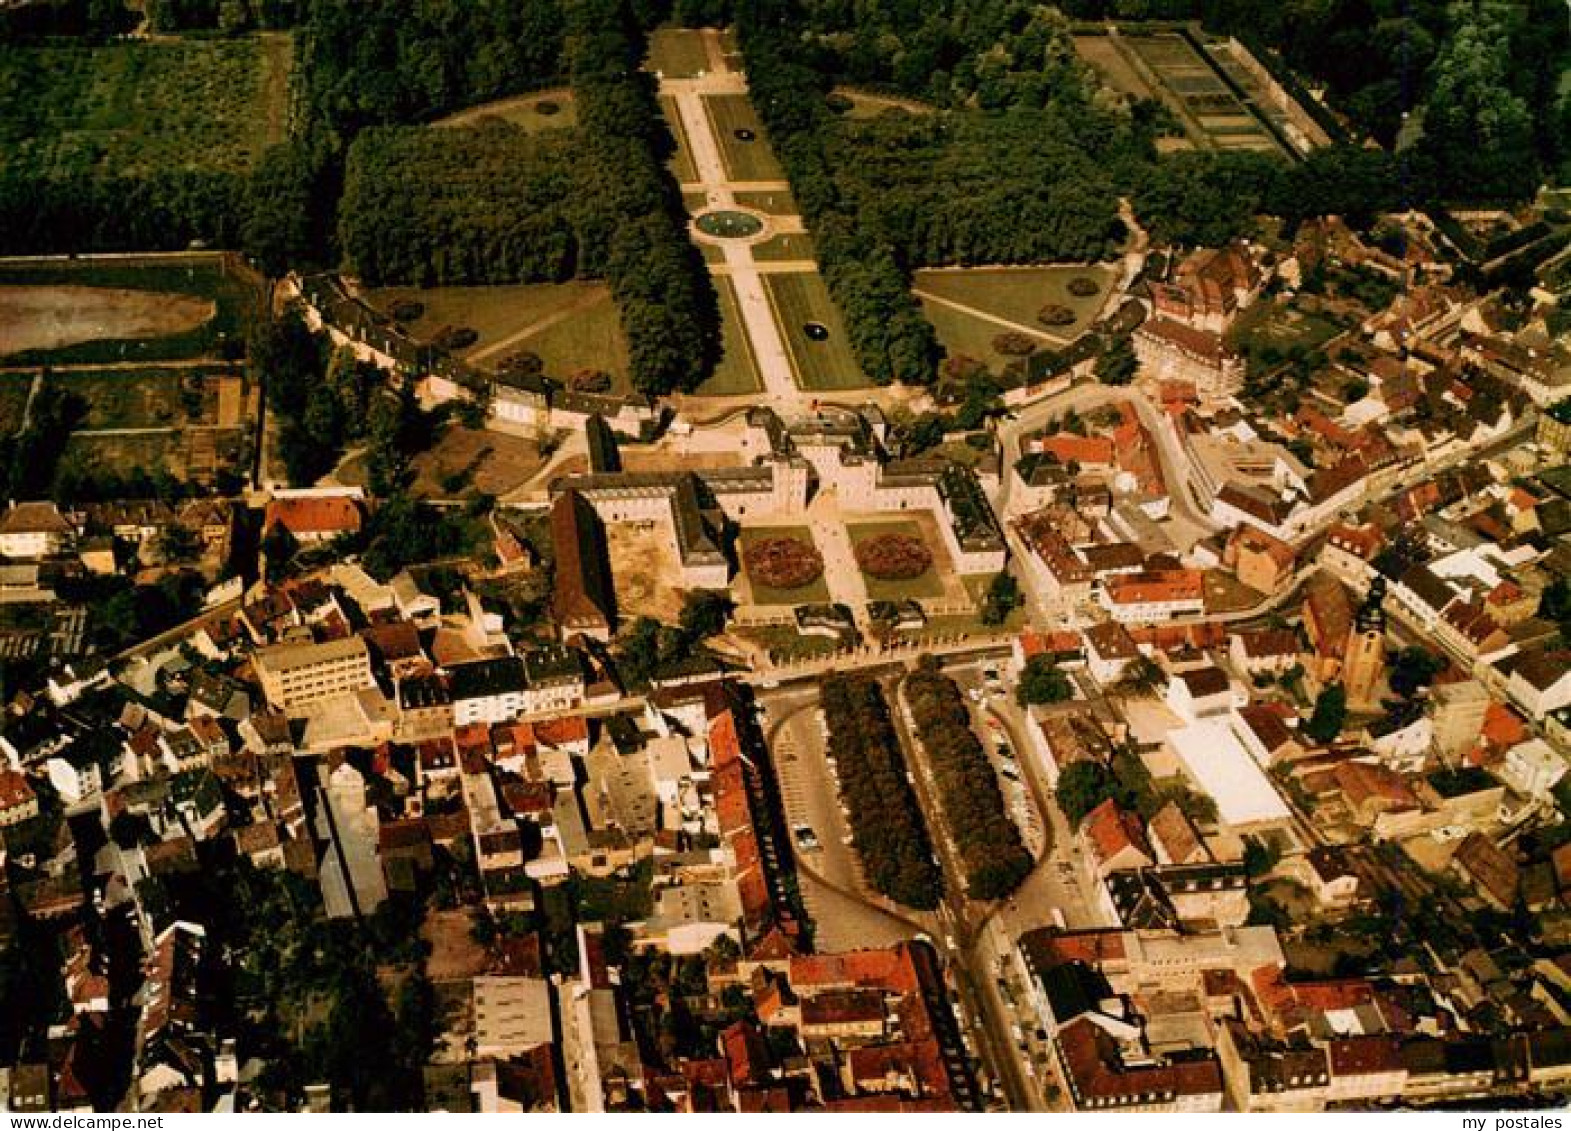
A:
(925, 587)
(150, 451)
(569, 325)
(783, 247)
(682, 167)
(800, 300)
(677, 53)
(744, 160)
(780, 203)
(1283, 327)
(736, 374)
(14, 390)
(1016, 294)
(966, 335)
(138, 107)
(140, 398)
(228, 299)
(814, 593)
(534, 113)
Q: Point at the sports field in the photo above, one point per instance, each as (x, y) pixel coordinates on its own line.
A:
(802, 300)
(1018, 294)
(744, 160)
(137, 107)
(736, 374)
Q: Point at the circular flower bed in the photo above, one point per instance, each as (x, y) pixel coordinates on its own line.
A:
(1013, 344)
(893, 557)
(1083, 286)
(408, 310)
(455, 338)
(783, 563)
(1055, 314)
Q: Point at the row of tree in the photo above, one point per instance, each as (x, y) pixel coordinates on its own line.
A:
(866, 274)
(993, 855)
(886, 822)
(634, 222)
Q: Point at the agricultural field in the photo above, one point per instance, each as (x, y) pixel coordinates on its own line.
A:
(677, 53)
(1017, 294)
(736, 374)
(142, 398)
(801, 304)
(571, 326)
(139, 107)
(745, 160)
(533, 113)
(924, 587)
(88, 312)
(813, 593)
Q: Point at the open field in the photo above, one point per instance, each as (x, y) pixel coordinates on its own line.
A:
(780, 203)
(682, 167)
(966, 335)
(138, 107)
(142, 398)
(789, 246)
(815, 593)
(736, 374)
(465, 459)
(50, 318)
(533, 113)
(744, 160)
(644, 570)
(150, 451)
(571, 326)
(677, 53)
(798, 301)
(128, 309)
(927, 586)
(1016, 294)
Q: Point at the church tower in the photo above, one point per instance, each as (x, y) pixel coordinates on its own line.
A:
(1364, 665)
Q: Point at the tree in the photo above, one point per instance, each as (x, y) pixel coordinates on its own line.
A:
(1329, 714)
(1117, 364)
(704, 613)
(1002, 598)
(1260, 856)
(1042, 681)
(1082, 786)
(1413, 669)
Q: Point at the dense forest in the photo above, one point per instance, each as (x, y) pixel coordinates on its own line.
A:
(473, 205)
(886, 822)
(995, 859)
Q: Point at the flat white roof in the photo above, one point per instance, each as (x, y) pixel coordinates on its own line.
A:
(1219, 763)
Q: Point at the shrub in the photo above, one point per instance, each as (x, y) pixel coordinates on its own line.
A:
(838, 103)
(522, 364)
(1014, 344)
(1055, 314)
(450, 339)
(893, 557)
(1083, 286)
(783, 563)
(590, 381)
(545, 108)
(408, 310)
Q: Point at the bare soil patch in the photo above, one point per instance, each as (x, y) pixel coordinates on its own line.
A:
(59, 316)
(454, 952)
(644, 570)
